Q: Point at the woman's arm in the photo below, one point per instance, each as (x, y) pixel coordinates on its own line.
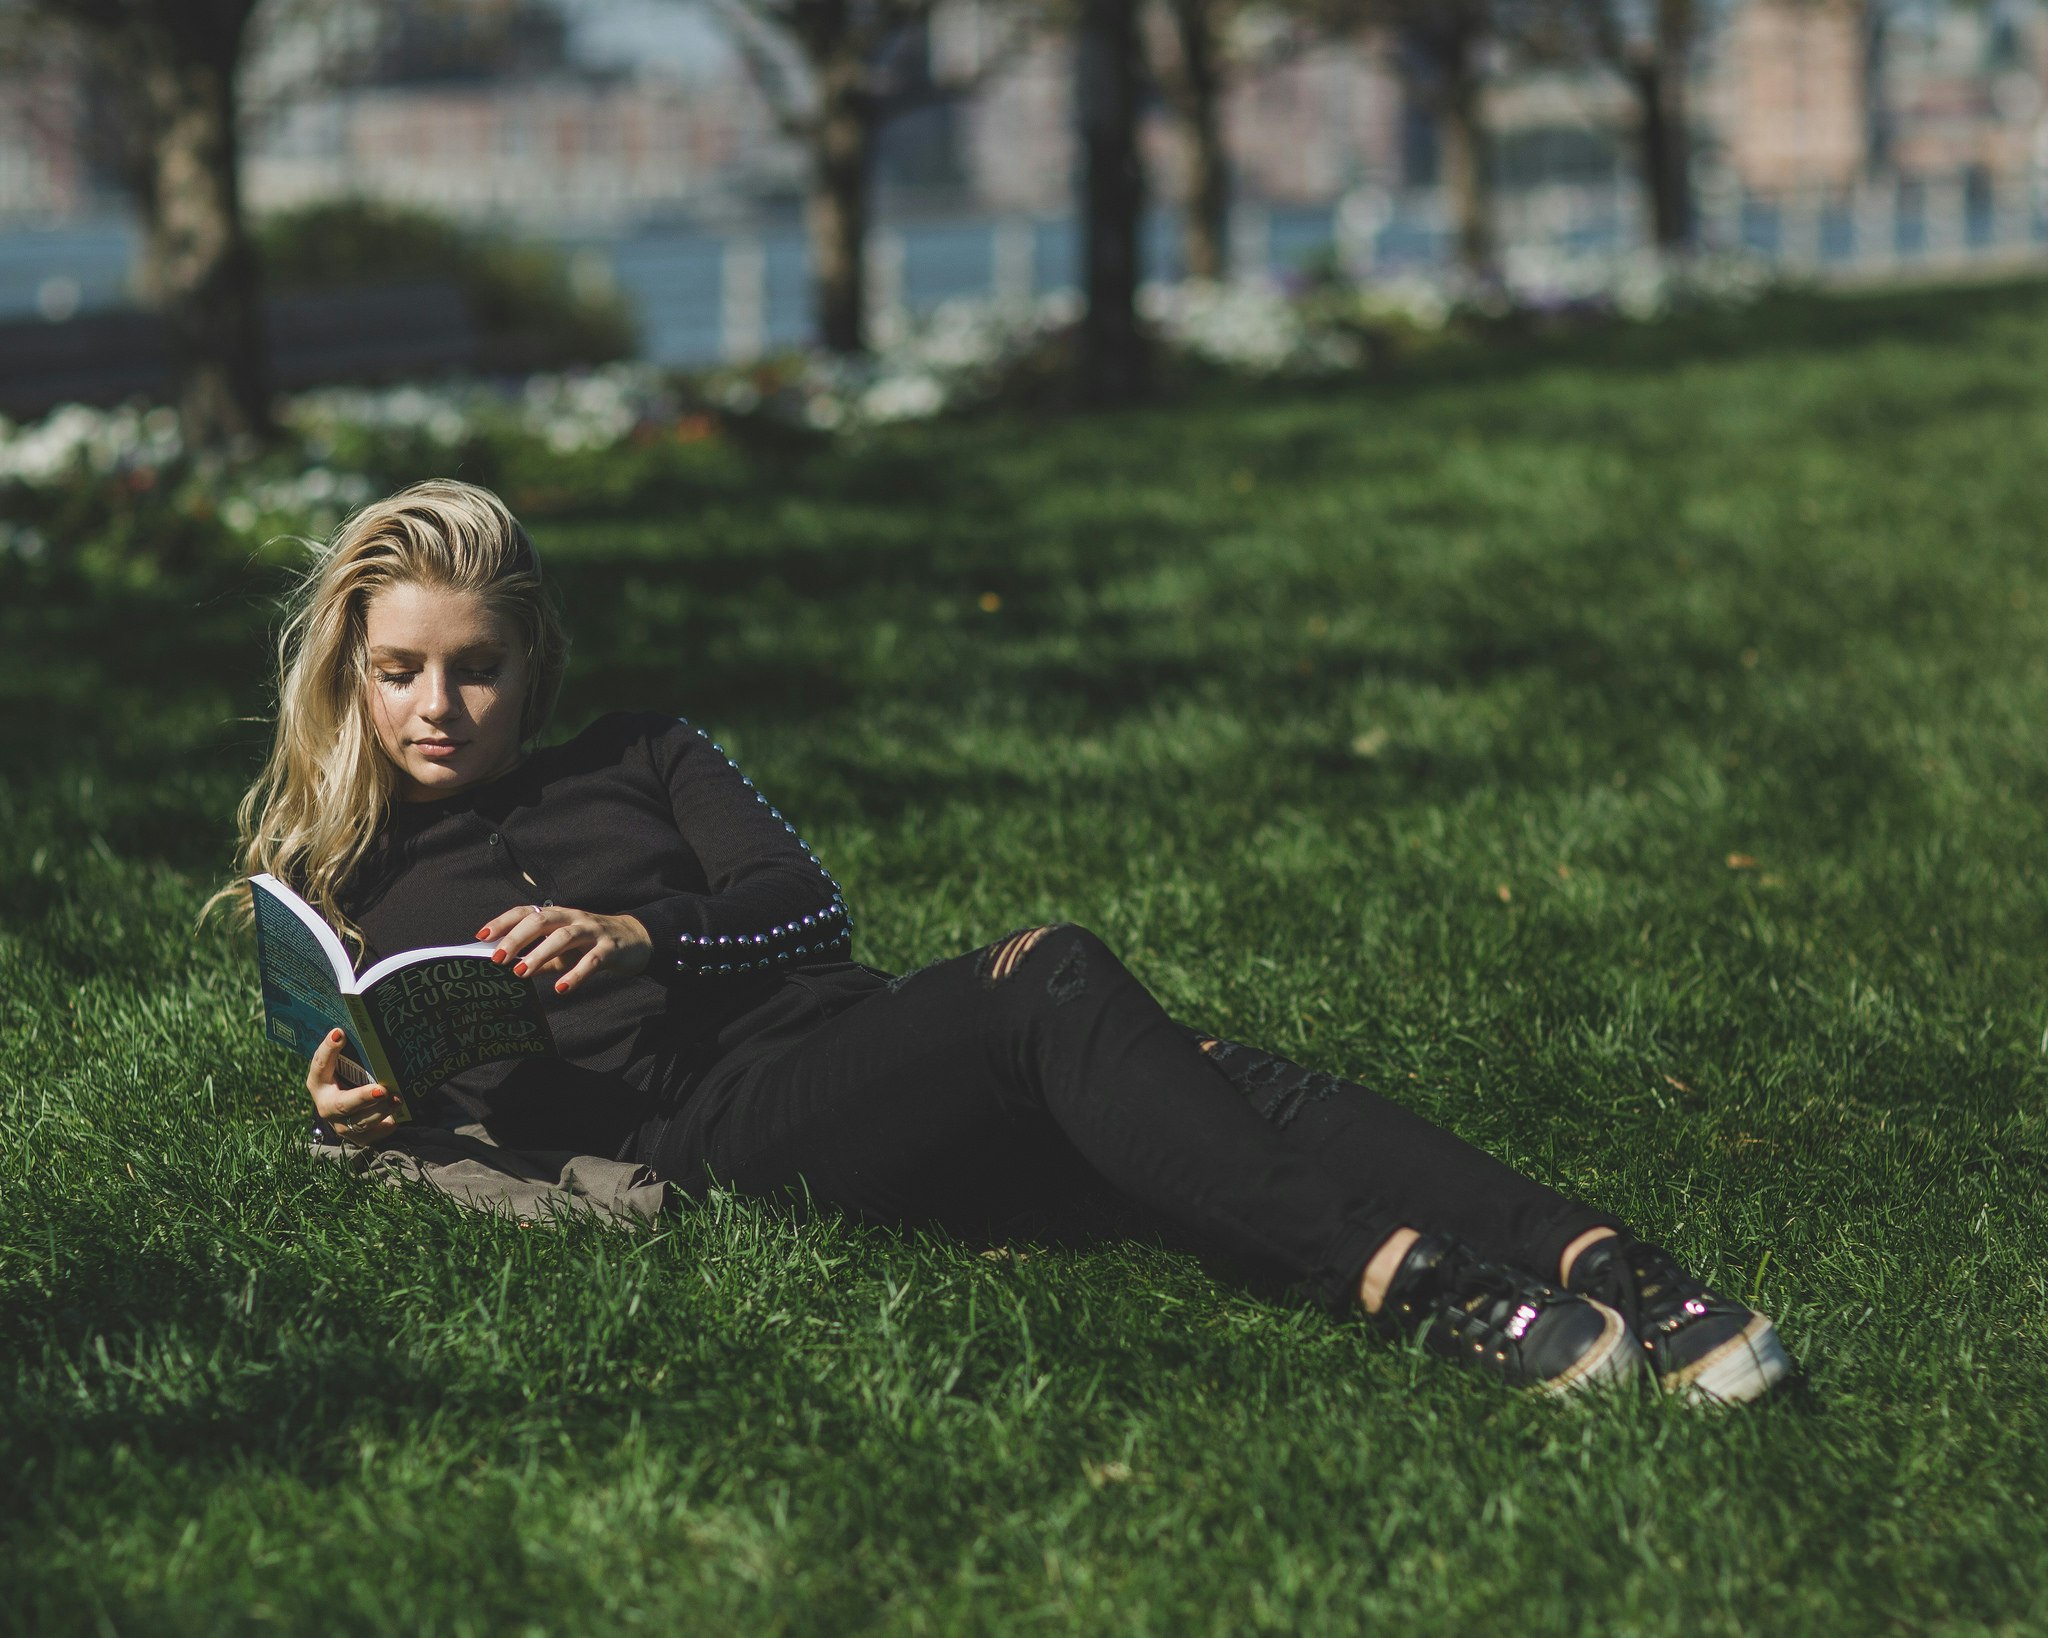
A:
(769, 902)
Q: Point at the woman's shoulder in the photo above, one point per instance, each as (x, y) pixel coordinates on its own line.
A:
(634, 739)
(617, 732)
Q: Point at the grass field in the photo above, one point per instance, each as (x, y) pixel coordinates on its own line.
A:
(1626, 750)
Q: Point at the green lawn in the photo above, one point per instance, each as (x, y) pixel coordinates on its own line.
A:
(1628, 751)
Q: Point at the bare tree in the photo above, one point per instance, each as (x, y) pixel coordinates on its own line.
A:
(170, 69)
(833, 72)
(1204, 45)
(1446, 40)
(1649, 44)
(1878, 118)
(1109, 69)
(1192, 77)
(1444, 46)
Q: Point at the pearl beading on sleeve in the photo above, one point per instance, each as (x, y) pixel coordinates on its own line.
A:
(823, 930)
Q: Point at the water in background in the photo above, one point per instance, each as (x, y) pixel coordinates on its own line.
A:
(677, 278)
(702, 296)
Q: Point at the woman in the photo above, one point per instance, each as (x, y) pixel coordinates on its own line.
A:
(694, 957)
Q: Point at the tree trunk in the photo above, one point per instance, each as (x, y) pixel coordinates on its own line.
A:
(1198, 95)
(1666, 161)
(1113, 200)
(199, 268)
(836, 214)
(1658, 79)
(1877, 113)
(1468, 178)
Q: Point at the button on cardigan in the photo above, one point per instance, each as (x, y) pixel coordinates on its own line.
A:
(643, 815)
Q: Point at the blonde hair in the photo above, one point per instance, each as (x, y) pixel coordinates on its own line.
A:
(313, 810)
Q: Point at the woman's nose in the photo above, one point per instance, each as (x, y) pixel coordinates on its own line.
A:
(436, 698)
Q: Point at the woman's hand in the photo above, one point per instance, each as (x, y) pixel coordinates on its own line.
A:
(551, 938)
(354, 1114)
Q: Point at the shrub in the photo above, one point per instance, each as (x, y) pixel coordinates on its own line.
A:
(529, 310)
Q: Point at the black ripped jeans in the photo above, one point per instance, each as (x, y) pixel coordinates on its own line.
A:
(1038, 1080)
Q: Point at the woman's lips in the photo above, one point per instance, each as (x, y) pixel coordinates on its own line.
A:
(439, 749)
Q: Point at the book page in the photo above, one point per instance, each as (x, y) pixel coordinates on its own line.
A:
(446, 1013)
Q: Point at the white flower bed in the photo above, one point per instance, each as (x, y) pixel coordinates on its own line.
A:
(920, 368)
(1249, 326)
(1641, 285)
(73, 437)
(569, 413)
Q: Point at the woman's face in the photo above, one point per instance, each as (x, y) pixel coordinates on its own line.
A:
(447, 682)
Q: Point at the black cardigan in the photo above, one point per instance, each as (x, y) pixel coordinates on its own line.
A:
(639, 814)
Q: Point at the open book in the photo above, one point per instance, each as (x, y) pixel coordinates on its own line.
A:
(411, 1021)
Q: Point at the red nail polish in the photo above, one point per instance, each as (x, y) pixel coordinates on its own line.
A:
(561, 984)
(519, 970)
(483, 932)
(498, 956)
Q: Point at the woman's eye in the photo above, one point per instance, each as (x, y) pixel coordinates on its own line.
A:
(396, 679)
(483, 673)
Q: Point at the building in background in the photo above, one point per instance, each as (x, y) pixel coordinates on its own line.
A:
(488, 109)
(1786, 95)
(557, 153)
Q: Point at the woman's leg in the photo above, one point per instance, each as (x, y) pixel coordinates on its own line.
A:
(971, 1087)
(1699, 1344)
(1010, 1081)
(983, 1083)
(1423, 1172)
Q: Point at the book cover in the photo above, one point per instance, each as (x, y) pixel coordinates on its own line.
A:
(409, 1022)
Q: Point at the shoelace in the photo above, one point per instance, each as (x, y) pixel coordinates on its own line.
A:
(1476, 1297)
(1648, 1288)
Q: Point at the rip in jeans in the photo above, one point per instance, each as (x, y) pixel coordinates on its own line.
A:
(1002, 958)
(1278, 1089)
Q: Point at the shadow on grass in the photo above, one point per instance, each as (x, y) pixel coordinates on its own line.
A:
(135, 714)
(147, 748)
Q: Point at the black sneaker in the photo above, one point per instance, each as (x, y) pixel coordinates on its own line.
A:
(1706, 1347)
(1504, 1321)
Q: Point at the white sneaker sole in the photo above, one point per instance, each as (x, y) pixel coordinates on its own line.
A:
(1744, 1367)
(1611, 1359)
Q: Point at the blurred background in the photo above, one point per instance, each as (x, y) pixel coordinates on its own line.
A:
(308, 191)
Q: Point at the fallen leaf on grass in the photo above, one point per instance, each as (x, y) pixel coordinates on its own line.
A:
(1673, 1080)
(1102, 1473)
(1742, 861)
(1371, 742)
(1504, 894)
